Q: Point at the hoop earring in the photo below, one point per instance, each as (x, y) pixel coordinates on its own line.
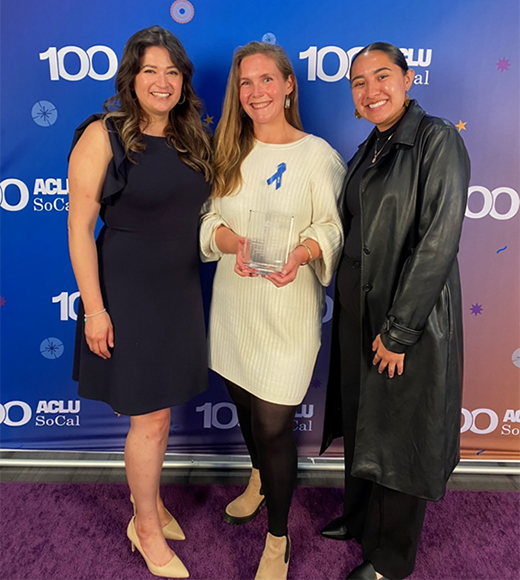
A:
(406, 100)
(287, 102)
(356, 114)
(181, 102)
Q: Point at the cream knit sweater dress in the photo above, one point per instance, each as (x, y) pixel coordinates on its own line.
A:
(263, 338)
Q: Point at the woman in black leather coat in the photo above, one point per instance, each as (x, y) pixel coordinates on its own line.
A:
(395, 381)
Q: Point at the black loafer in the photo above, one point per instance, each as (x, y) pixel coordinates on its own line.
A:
(336, 530)
(364, 571)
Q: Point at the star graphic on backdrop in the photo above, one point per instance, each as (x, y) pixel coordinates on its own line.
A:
(2, 301)
(315, 384)
(476, 309)
(461, 126)
(208, 120)
(503, 64)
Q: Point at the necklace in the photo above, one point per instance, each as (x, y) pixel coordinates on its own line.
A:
(378, 153)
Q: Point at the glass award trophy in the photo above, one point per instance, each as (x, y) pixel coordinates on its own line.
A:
(268, 241)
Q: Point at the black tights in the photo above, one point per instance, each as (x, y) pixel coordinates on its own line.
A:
(268, 432)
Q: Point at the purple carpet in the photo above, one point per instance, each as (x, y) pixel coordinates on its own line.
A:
(51, 531)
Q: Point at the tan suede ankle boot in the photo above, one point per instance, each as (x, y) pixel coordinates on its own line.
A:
(246, 506)
(275, 559)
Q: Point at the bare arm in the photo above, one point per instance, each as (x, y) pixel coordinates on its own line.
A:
(87, 169)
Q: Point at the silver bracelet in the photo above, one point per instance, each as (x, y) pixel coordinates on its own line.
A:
(91, 315)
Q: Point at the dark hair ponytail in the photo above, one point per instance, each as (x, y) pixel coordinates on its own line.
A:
(393, 53)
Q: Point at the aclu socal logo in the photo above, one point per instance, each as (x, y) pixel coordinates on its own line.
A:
(303, 418)
(72, 63)
(224, 416)
(48, 195)
(15, 413)
(489, 422)
(48, 413)
(58, 413)
(339, 61)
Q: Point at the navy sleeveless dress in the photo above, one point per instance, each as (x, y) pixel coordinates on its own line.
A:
(149, 275)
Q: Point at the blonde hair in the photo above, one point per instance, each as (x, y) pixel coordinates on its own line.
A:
(234, 135)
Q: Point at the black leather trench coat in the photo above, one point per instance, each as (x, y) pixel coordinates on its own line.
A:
(413, 201)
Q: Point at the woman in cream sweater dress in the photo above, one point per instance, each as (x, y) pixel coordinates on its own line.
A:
(265, 331)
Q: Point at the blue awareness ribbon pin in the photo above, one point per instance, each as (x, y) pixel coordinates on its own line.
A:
(277, 176)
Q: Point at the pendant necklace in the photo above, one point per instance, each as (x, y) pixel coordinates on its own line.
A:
(378, 153)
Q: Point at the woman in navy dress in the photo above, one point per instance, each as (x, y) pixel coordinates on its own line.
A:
(144, 167)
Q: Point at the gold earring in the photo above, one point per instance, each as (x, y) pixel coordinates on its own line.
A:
(406, 100)
(287, 102)
(356, 114)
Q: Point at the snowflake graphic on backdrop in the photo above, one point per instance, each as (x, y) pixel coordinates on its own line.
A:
(316, 384)
(269, 37)
(44, 113)
(503, 64)
(51, 348)
(476, 309)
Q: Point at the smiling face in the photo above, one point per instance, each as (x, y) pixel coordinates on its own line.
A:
(379, 88)
(158, 85)
(263, 90)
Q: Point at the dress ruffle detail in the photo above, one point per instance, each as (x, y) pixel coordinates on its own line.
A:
(117, 170)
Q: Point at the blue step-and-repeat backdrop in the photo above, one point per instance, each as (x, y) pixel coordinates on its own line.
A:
(58, 61)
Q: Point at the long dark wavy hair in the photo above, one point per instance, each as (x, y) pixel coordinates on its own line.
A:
(184, 131)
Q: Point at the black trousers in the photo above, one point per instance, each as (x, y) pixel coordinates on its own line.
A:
(386, 523)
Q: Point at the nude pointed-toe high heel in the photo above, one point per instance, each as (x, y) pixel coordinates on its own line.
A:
(174, 569)
(172, 530)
